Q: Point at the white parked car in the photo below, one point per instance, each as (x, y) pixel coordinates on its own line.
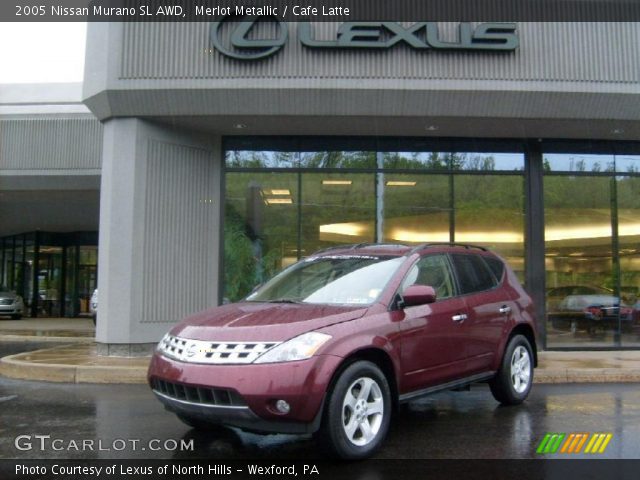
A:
(11, 303)
(93, 305)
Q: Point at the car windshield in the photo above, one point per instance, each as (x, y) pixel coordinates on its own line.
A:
(339, 279)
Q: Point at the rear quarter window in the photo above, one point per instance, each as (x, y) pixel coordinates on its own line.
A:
(473, 273)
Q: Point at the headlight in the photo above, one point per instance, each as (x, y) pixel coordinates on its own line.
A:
(162, 343)
(298, 348)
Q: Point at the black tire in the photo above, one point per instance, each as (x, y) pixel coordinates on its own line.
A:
(361, 398)
(512, 383)
(16, 317)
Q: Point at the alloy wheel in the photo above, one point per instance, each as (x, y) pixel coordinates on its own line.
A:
(362, 411)
(520, 369)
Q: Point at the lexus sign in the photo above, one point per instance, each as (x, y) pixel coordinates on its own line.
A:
(243, 38)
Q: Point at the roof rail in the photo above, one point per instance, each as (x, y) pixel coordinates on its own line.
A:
(358, 245)
(422, 246)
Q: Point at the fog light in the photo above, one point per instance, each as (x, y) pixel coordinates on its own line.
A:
(282, 406)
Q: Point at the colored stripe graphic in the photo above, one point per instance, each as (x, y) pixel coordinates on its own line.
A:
(574, 442)
(598, 443)
(550, 443)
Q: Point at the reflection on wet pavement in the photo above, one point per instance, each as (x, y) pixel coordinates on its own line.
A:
(446, 425)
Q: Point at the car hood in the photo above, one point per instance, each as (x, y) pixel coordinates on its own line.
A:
(9, 295)
(260, 322)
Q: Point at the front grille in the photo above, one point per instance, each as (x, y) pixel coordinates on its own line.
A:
(6, 301)
(220, 397)
(199, 351)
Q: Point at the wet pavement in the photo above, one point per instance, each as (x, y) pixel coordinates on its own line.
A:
(86, 421)
(126, 421)
(12, 348)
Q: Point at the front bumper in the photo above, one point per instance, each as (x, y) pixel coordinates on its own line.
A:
(13, 309)
(254, 390)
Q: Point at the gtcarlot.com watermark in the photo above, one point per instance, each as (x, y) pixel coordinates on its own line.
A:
(48, 443)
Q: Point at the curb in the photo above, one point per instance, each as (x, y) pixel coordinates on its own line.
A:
(17, 367)
(587, 375)
(71, 374)
(129, 370)
(43, 339)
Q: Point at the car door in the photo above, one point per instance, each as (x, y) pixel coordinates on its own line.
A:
(429, 349)
(489, 311)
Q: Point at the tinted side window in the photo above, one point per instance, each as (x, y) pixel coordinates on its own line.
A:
(473, 273)
(434, 271)
(496, 266)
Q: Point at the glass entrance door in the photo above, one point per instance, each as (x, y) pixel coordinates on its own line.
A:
(87, 277)
(49, 280)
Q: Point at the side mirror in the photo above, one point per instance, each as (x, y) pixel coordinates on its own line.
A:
(418, 295)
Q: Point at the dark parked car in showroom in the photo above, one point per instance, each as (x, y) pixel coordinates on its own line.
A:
(593, 310)
(336, 341)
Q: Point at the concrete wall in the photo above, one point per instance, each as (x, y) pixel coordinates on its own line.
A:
(45, 128)
(48, 142)
(50, 159)
(548, 52)
(159, 232)
(562, 76)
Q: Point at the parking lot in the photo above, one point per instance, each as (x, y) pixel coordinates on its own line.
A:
(126, 421)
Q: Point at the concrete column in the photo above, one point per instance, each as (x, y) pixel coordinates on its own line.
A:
(159, 232)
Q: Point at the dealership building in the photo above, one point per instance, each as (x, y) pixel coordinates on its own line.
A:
(197, 159)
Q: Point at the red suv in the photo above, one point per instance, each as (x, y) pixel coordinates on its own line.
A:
(335, 342)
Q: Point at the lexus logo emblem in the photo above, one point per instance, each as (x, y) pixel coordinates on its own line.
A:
(255, 37)
(233, 38)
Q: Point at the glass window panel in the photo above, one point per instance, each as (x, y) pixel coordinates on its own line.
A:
(261, 237)
(487, 161)
(261, 159)
(417, 208)
(628, 189)
(569, 162)
(580, 302)
(7, 279)
(28, 272)
(72, 304)
(628, 163)
(416, 160)
(19, 277)
(87, 277)
(3, 262)
(50, 280)
(489, 211)
(453, 161)
(337, 209)
(338, 159)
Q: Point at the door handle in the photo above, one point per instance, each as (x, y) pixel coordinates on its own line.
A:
(459, 318)
(505, 309)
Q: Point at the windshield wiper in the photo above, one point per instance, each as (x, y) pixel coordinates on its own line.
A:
(284, 300)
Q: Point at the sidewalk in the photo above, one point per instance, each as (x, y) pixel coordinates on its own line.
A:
(54, 330)
(77, 361)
